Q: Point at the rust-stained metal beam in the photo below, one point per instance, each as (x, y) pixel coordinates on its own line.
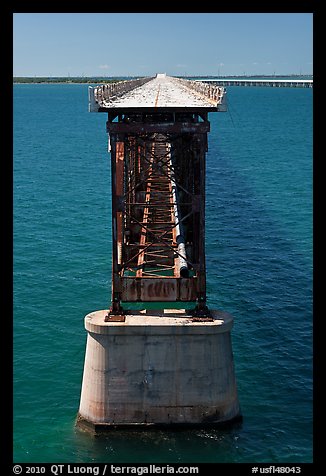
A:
(158, 128)
(158, 221)
(117, 161)
(143, 240)
(168, 289)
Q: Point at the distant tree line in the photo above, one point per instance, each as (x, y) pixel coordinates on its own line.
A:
(90, 80)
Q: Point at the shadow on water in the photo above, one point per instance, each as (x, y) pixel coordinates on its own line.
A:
(258, 230)
(259, 268)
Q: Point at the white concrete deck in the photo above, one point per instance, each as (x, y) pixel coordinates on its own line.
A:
(160, 92)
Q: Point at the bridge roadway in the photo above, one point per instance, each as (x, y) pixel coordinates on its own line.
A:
(160, 92)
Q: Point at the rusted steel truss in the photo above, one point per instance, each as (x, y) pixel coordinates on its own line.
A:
(158, 208)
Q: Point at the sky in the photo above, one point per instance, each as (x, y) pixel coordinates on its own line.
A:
(143, 44)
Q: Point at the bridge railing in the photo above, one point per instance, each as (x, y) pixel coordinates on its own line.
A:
(214, 93)
(109, 92)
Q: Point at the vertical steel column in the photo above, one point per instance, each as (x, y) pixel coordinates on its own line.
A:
(199, 144)
(117, 183)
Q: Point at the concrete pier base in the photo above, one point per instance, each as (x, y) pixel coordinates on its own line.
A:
(158, 368)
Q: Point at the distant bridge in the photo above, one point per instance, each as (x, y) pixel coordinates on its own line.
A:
(274, 83)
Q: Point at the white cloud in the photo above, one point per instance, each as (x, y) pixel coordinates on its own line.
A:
(104, 66)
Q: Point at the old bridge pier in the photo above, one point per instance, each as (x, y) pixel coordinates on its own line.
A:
(168, 366)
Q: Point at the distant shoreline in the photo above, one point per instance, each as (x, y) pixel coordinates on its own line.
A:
(54, 82)
(101, 80)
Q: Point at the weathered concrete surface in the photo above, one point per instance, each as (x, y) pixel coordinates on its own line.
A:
(159, 92)
(162, 91)
(158, 369)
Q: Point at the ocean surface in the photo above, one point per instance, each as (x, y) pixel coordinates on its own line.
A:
(259, 268)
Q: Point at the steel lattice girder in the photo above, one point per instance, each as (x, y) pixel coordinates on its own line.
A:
(156, 177)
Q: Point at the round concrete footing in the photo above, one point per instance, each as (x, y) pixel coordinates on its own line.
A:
(158, 369)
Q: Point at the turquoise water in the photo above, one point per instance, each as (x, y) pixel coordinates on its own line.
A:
(259, 268)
